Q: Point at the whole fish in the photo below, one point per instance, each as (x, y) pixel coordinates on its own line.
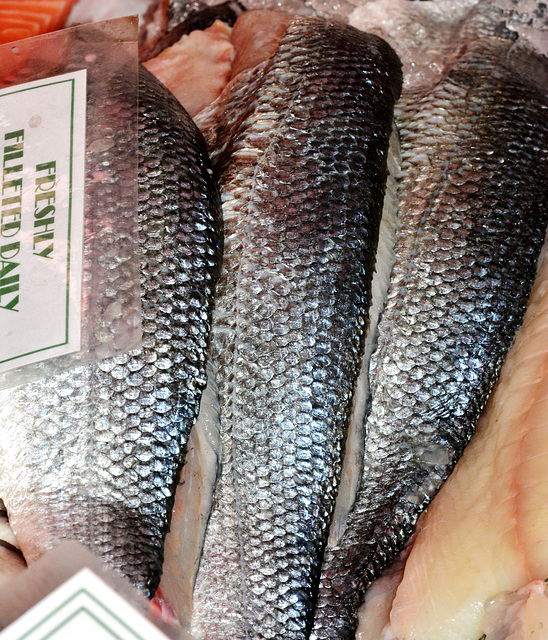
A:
(300, 146)
(93, 454)
(473, 214)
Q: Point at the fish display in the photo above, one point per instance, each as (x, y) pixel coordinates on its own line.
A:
(299, 143)
(93, 454)
(472, 220)
(345, 374)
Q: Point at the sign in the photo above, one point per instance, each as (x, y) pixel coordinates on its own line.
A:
(42, 151)
(86, 608)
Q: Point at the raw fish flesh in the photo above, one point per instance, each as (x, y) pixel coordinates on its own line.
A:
(25, 18)
(473, 214)
(11, 559)
(167, 21)
(520, 615)
(193, 502)
(197, 67)
(300, 143)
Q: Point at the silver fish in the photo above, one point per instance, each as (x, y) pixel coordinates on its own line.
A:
(300, 149)
(93, 454)
(473, 216)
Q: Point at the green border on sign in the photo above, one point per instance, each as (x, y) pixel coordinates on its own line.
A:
(82, 609)
(72, 82)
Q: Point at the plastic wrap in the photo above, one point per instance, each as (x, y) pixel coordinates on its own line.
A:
(69, 262)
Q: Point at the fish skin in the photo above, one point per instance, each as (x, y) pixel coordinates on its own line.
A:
(493, 506)
(473, 217)
(93, 454)
(302, 167)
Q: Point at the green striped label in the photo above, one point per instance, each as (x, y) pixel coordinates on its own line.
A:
(42, 151)
(83, 608)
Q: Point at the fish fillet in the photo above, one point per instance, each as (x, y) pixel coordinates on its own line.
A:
(192, 507)
(197, 67)
(473, 214)
(26, 18)
(300, 144)
(487, 530)
(93, 454)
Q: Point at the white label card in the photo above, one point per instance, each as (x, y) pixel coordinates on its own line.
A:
(85, 608)
(42, 151)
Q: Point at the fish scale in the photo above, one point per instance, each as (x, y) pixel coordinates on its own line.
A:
(93, 454)
(473, 216)
(300, 148)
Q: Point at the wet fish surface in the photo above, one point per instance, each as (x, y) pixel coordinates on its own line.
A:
(164, 23)
(473, 214)
(492, 506)
(300, 148)
(93, 454)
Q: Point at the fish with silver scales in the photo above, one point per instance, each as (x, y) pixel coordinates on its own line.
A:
(300, 147)
(243, 589)
(473, 216)
(93, 454)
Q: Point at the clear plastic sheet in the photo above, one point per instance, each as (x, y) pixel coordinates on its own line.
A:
(99, 263)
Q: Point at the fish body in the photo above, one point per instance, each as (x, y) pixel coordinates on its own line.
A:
(300, 148)
(93, 454)
(491, 513)
(473, 214)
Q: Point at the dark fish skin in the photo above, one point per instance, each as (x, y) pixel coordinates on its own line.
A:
(474, 210)
(302, 167)
(94, 454)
